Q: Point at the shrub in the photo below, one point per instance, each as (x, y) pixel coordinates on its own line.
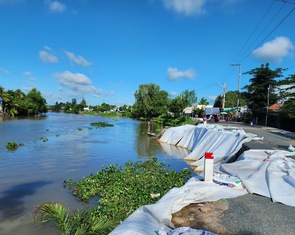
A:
(85, 222)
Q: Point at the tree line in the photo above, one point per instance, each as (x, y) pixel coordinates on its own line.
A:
(16, 102)
(266, 87)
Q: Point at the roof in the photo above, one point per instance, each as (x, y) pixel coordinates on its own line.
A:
(275, 107)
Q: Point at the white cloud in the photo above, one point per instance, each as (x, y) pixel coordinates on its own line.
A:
(46, 57)
(27, 73)
(47, 48)
(175, 74)
(275, 50)
(77, 82)
(4, 71)
(79, 60)
(186, 7)
(56, 6)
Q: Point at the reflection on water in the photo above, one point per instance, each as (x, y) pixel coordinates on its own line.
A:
(35, 172)
(11, 203)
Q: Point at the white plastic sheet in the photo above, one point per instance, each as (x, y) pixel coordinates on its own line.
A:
(265, 172)
(149, 218)
(192, 137)
(270, 173)
(174, 135)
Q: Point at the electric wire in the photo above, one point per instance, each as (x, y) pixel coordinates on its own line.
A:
(264, 29)
(269, 34)
(255, 29)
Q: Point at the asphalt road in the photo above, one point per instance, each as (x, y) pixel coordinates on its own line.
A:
(254, 214)
(273, 139)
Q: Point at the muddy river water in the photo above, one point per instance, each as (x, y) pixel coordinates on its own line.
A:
(62, 146)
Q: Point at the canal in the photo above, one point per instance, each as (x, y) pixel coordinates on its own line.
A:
(62, 146)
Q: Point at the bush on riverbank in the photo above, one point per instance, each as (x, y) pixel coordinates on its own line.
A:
(168, 120)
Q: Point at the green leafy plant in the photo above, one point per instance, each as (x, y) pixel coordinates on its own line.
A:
(85, 222)
(122, 190)
(12, 146)
(44, 139)
(80, 129)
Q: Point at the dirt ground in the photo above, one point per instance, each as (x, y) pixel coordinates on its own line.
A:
(206, 216)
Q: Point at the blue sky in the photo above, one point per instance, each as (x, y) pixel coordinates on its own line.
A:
(104, 49)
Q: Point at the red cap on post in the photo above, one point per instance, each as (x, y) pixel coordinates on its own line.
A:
(209, 155)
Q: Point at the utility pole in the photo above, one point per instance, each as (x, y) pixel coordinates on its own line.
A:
(239, 81)
(224, 91)
(268, 90)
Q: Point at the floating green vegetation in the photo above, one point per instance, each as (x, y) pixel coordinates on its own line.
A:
(80, 129)
(101, 124)
(57, 135)
(11, 146)
(44, 139)
(47, 129)
(122, 190)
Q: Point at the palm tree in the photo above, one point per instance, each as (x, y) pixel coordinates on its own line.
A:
(71, 224)
(5, 99)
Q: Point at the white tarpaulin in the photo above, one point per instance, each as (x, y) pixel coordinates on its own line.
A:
(265, 172)
(147, 219)
(174, 135)
(269, 173)
(192, 137)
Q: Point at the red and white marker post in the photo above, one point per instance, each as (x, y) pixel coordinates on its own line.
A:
(208, 166)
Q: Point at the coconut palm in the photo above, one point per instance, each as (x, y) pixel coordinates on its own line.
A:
(71, 224)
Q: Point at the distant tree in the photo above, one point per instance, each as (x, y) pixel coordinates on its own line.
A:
(287, 94)
(74, 102)
(57, 107)
(105, 107)
(182, 101)
(150, 101)
(203, 101)
(189, 98)
(263, 77)
(230, 100)
(83, 103)
(177, 105)
(36, 104)
(67, 107)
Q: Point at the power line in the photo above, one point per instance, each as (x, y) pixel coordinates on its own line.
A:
(263, 30)
(269, 33)
(266, 13)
